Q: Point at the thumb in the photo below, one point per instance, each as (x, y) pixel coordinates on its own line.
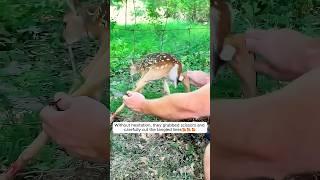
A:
(49, 115)
(126, 96)
(63, 100)
(129, 93)
(193, 74)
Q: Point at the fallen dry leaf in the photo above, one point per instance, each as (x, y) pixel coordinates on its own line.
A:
(187, 169)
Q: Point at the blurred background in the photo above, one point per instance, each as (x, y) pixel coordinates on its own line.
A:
(34, 65)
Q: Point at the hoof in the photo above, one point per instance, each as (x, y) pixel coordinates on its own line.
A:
(112, 117)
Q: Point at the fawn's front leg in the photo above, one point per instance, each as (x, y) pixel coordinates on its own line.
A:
(78, 78)
(96, 78)
(245, 70)
(139, 86)
(186, 82)
(242, 63)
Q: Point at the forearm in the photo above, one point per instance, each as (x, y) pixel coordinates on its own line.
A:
(180, 105)
(262, 123)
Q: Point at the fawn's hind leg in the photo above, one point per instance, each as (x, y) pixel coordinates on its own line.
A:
(166, 87)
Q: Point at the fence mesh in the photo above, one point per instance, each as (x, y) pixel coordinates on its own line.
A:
(163, 37)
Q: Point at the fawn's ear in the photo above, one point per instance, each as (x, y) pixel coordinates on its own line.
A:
(227, 52)
(73, 5)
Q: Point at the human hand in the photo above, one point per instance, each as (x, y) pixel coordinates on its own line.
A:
(80, 126)
(284, 52)
(134, 101)
(198, 78)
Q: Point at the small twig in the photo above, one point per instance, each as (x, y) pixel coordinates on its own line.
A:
(58, 170)
(55, 104)
(147, 30)
(74, 68)
(48, 171)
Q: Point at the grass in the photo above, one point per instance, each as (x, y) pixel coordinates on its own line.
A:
(228, 85)
(171, 156)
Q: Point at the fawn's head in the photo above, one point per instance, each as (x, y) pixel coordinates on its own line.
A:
(82, 21)
(134, 69)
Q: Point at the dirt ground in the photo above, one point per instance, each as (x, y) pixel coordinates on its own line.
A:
(155, 156)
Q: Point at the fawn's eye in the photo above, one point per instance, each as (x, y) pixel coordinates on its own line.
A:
(64, 24)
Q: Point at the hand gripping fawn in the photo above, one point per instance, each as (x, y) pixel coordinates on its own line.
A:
(231, 48)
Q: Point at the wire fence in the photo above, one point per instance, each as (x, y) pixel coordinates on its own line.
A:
(162, 41)
(164, 36)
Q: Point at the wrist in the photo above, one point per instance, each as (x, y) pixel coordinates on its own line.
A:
(144, 106)
(312, 53)
(207, 79)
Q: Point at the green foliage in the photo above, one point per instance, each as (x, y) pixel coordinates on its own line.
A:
(191, 10)
(302, 15)
(20, 14)
(194, 11)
